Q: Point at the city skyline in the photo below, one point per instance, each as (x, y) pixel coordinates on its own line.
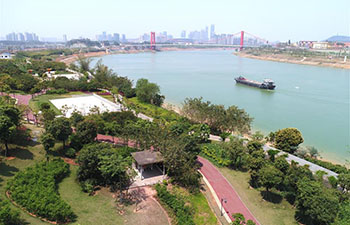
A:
(137, 17)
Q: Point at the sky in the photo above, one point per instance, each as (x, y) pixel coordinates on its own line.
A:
(273, 20)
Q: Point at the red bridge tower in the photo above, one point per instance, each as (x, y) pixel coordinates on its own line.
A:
(153, 41)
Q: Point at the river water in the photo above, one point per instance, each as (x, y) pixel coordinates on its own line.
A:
(313, 99)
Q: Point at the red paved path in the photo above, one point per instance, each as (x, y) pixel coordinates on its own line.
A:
(223, 189)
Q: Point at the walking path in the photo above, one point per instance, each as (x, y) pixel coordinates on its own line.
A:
(224, 190)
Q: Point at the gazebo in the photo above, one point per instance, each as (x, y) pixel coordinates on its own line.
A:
(149, 160)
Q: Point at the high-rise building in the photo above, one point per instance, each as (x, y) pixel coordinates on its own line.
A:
(212, 31)
(183, 34)
(21, 37)
(29, 37)
(123, 38)
(64, 38)
(104, 35)
(116, 37)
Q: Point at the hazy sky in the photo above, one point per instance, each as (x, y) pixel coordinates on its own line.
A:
(269, 19)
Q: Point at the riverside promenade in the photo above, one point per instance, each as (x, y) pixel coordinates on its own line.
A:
(312, 166)
(226, 194)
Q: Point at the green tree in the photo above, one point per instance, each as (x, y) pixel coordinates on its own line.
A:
(343, 216)
(315, 204)
(48, 115)
(288, 139)
(7, 129)
(281, 163)
(180, 163)
(86, 131)
(75, 118)
(60, 128)
(10, 118)
(200, 132)
(101, 164)
(239, 219)
(84, 64)
(270, 177)
(236, 152)
(344, 183)
(224, 135)
(146, 91)
(254, 145)
(48, 142)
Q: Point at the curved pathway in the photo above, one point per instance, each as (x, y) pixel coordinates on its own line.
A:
(224, 190)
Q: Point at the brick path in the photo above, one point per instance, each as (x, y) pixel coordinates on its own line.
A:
(224, 190)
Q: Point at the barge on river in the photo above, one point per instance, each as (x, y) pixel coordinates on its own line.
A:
(266, 84)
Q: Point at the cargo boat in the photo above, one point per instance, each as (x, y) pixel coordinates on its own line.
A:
(266, 84)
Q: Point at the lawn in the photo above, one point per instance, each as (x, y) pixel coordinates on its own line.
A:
(35, 103)
(203, 214)
(98, 209)
(267, 213)
(151, 110)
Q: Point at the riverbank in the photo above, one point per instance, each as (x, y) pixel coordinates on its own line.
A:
(323, 157)
(72, 58)
(317, 61)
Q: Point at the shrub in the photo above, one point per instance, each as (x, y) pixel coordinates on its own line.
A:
(35, 189)
(215, 153)
(8, 216)
(56, 91)
(70, 152)
(177, 205)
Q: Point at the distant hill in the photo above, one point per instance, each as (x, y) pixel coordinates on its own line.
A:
(338, 38)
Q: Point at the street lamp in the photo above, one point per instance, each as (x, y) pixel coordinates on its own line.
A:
(223, 200)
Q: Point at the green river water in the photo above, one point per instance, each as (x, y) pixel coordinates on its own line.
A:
(313, 99)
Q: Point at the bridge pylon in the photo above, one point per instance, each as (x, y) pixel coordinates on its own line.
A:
(153, 41)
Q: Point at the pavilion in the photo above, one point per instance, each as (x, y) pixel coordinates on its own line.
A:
(149, 164)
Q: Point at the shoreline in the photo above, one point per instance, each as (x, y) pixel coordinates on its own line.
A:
(323, 156)
(72, 58)
(284, 59)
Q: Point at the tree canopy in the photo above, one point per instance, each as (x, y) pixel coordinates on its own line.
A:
(288, 139)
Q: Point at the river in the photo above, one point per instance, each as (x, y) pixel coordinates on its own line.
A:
(313, 99)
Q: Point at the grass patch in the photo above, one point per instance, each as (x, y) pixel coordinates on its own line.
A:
(98, 209)
(202, 213)
(35, 103)
(266, 212)
(150, 110)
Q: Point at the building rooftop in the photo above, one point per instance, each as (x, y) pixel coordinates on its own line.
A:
(147, 157)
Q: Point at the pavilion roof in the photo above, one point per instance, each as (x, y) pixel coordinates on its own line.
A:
(147, 157)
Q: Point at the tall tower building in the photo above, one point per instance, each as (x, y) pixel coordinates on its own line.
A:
(64, 38)
(212, 31)
(183, 34)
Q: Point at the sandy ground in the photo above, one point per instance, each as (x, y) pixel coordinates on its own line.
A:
(307, 61)
(146, 205)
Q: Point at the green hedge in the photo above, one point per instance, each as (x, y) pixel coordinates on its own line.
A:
(8, 216)
(216, 153)
(35, 189)
(177, 205)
